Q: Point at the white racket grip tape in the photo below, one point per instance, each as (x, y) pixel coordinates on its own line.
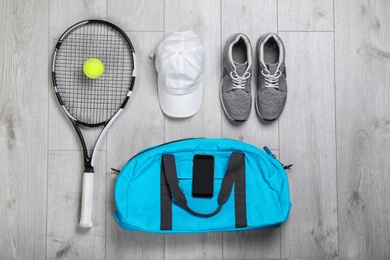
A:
(86, 200)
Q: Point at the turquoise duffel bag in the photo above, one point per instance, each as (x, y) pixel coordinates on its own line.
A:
(153, 190)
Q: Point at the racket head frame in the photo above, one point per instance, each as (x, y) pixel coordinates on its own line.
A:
(54, 78)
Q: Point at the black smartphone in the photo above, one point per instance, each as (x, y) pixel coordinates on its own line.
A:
(203, 176)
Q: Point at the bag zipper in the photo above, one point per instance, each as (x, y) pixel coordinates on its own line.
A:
(265, 148)
(160, 145)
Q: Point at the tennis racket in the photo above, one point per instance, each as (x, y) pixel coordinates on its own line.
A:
(87, 102)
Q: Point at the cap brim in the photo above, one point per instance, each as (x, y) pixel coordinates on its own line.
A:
(180, 106)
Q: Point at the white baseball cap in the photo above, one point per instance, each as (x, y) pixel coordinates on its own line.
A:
(179, 64)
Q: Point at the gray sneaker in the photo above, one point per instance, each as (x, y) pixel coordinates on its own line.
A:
(235, 93)
(272, 86)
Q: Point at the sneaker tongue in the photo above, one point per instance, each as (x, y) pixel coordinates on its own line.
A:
(272, 67)
(241, 67)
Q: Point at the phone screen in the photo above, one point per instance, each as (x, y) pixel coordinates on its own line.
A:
(203, 176)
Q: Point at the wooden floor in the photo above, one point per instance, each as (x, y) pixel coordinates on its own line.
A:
(335, 128)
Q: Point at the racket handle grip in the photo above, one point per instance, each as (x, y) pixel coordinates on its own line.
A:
(86, 200)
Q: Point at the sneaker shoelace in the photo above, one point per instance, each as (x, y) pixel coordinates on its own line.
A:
(239, 81)
(271, 80)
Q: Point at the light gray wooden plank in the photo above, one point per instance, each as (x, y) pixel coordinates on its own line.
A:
(306, 15)
(64, 14)
(141, 125)
(362, 101)
(252, 244)
(243, 17)
(23, 133)
(307, 139)
(196, 246)
(137, 15)
(202, 17)
(65, 239)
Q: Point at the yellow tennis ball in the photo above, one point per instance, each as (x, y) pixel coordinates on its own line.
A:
(93, 68)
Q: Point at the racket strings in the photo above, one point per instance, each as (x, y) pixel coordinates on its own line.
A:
(94, 101)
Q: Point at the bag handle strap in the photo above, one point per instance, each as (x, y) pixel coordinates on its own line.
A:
(236, 167)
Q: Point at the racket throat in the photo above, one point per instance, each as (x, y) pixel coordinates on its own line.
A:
(88, 166)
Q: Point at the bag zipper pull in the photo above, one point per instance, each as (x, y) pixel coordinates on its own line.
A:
(269, 152)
